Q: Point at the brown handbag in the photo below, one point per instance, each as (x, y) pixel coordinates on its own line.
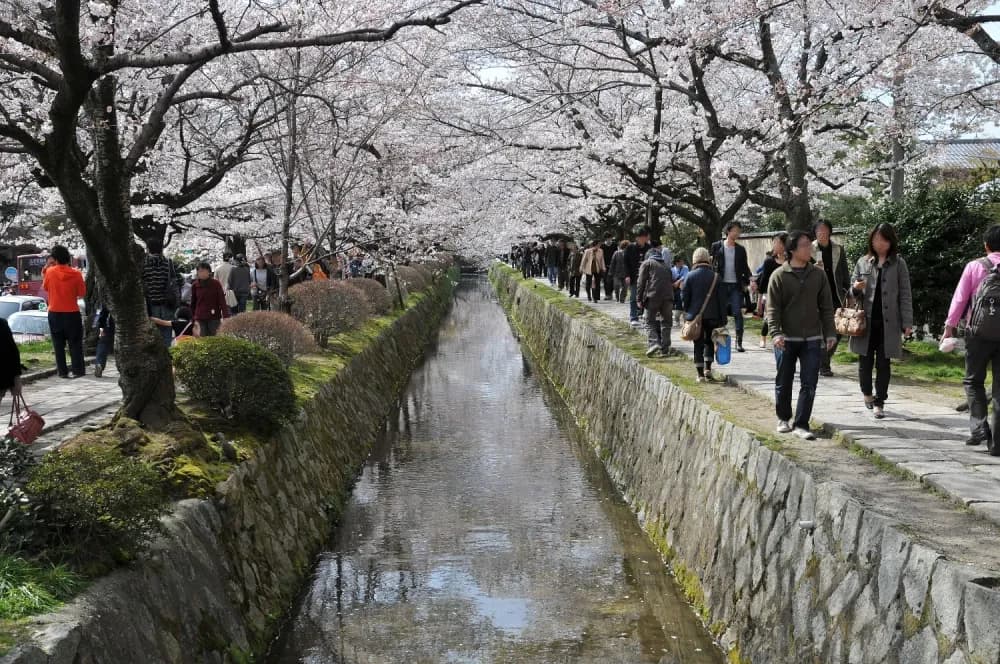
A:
(851, 321)
(691, 329)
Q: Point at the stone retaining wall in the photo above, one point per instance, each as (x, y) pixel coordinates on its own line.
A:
(214, 588)
(786, 568)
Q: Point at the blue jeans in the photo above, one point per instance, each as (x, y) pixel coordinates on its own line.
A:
(104, 345)
(633, 306)
(734, 303)
(553, 274)
(164, 312)
(241, 304)
(809, 356)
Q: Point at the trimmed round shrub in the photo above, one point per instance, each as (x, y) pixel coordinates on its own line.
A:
(328, 307)
(92, 503)
(238, 378)
(276, 331)
(414, 277)
(375, 293)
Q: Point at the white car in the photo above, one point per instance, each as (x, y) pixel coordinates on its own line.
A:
(11, 304)
(29, 326)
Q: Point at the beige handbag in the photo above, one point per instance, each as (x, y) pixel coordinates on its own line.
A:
(691, 329)
(851, 322)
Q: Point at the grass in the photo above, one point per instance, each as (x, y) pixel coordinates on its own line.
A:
(37, 355)
(28, 588)
(922, 362)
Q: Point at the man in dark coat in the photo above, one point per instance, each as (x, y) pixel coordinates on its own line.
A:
(635, 254)
(730, 260)
(609, 247)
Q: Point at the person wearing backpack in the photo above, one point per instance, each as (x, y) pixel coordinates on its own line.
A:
(882, 283)
(978, 295)
(655, 295)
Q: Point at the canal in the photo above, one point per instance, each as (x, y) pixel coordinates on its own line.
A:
(484, 529)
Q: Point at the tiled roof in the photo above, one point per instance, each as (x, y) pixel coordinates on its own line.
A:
(964, 154)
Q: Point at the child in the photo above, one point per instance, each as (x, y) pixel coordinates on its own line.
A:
(183, 325)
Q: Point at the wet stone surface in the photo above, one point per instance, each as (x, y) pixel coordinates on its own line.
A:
(484, 529)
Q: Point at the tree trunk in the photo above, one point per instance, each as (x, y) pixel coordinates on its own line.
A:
(236, 244)
(148, 228)
(798, 214)
(291, 169)
(102, 213)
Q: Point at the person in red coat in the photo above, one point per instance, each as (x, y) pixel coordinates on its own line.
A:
(208, 302)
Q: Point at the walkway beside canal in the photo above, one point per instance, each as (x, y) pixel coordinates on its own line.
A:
(62, 402)
(922, 434)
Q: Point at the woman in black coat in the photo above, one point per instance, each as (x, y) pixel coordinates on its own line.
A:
(697, 287)
(10, 362)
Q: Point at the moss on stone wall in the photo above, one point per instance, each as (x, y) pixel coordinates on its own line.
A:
(229, 567)
(785, 564)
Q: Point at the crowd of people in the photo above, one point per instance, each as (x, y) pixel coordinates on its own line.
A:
(805, 279)
(182, 307)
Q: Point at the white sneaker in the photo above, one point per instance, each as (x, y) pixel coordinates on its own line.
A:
(702, 379)
(805, 434)
(653, 350)
(784, 426)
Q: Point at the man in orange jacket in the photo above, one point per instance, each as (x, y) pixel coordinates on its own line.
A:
(64, 285)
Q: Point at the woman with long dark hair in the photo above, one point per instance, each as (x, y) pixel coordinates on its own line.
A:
(882, 281)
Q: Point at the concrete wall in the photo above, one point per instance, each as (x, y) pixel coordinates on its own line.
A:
(214, 588)
(784, 566)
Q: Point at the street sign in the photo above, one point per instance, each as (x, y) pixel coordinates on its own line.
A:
(10, 273)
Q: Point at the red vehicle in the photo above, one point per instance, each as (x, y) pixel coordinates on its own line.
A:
(29, 274)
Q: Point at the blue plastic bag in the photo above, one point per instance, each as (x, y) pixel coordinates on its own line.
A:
(723, 349)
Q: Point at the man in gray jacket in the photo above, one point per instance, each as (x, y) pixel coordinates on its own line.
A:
(800, 317)
(655, 294)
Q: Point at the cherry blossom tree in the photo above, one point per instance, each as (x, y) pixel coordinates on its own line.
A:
(89, 91)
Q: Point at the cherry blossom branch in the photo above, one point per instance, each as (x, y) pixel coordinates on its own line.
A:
(206, 53)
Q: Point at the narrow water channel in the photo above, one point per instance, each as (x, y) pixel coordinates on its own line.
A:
(483, 529)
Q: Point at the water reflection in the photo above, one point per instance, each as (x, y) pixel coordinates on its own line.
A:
(483, 529)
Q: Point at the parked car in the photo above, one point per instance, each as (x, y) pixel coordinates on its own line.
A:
(11, 304)
(29, 326)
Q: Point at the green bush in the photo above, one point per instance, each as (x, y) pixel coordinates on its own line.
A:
(374, 293)
(939, 232)
(238, 378)
(328, 307)
(278, 332)
(15, 511)
(94, 504)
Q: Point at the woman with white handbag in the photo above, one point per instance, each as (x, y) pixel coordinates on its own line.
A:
(881, 281)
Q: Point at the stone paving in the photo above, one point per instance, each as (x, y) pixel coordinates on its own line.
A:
(87, 400)
(924, 439)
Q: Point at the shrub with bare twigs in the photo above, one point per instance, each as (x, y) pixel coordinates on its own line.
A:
(414, 277)
(375, 293)
(278, 332)
(328, 307)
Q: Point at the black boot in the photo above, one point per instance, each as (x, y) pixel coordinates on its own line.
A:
(739, 342)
